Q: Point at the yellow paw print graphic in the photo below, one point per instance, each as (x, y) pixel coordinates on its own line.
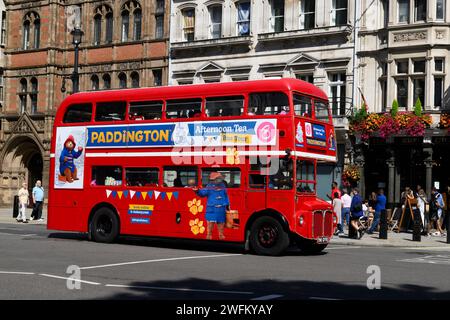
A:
(195, 206)
(233, 156)
(197, 226)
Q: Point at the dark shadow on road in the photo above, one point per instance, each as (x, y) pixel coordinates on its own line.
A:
(290, 290)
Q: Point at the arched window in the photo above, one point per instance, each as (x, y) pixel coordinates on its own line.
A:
(106, 81)
(26, 34)
(37, 33)
(97, 29)
(135, 80)
(95, 82)
(122, 80)
(125, 25)
(137, 27)
(31, 31)
(34, 95)
(23, 95)
(109, 27)
(23, 85)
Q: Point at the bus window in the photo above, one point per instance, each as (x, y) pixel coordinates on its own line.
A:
(110, 111)
(282, 179)
(302, 106)
(146, 110)
(268, 103)
(321, 111)
(256, 181)
(186, 108)
(180, 177)
(78, 113)
(106, 176)
(305, 176)
(224, 106)
(232, 176)
(141, 177)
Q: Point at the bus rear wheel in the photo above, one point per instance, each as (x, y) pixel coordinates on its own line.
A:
(104, 226)
(267, 237)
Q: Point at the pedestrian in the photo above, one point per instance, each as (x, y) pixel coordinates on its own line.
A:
(334, 189)
(380, 205)
(356, 212)
(421, 204)
(436, 205)
(23, 203)
(38, 200)
(337, 208)
(346, 203)
(217, 204)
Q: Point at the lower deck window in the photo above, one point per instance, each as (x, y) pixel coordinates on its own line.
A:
(305, 176)
(180, 177)
(106, 176)
(231, 177)
(141, 177)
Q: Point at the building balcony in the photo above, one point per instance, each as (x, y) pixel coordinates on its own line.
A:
(222, 44)
(323, 32)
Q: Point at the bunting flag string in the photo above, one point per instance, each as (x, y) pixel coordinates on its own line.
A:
(108, 193)
(157, 193)
(131, 194)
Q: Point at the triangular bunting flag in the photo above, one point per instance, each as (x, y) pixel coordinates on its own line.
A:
(169, 195)
(157, 194)
(138, 195)
(119, 193)
(150, 194)
(144, 195)
(114, 194)
(175, 194)
(125, 194)
(108, 193)
(132, 194)
(163, 195)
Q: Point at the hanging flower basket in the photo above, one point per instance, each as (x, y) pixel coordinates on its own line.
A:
(350, 176)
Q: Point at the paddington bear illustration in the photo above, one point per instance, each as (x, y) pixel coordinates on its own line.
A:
(67, 167)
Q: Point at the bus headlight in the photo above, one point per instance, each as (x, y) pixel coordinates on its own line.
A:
(334, 219)
(301, 220)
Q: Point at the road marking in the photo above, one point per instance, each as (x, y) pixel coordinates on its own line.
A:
(426, 248)
(16, 272)
(18, 234)
(177, 289)
(322, 298)
(339, 248)
(64, 278)
(269, 297)
(158, 260)
(435, 259)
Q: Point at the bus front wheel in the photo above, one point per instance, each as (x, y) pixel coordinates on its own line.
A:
(267, 237)
(104, 226)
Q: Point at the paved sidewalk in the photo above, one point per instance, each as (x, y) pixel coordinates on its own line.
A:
(6, 216)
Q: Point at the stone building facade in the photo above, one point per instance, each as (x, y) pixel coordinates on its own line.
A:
(124, 45)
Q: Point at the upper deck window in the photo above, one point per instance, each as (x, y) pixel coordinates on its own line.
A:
(268, 103)
(224, 106)
(111, 111)
(302, 106)
(321, 111)
(184, 108)
(146, 110)
(78, 113)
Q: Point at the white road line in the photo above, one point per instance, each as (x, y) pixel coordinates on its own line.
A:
(339, 248)
(158, 260)
(64, 278)
(17, 234)
(177, 289)
(269, 297)
(322, 298)
(16, 272)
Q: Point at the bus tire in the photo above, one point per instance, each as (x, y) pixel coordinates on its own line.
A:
(267, 237)
(104, 226)
(310, 247)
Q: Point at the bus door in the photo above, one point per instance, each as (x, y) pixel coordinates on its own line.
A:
(255, 195)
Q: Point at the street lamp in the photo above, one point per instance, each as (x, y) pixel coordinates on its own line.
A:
(77, 34)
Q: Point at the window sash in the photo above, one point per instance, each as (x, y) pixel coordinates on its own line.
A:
(403, 11)
(438, 92)
(440, 9)
(420, 10)
(243, 18)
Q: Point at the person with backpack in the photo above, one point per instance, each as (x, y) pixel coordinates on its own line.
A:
(38, 200)
(356, 212)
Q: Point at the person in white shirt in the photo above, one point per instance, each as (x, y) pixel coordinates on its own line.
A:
(337, 207)
(24, 198)
(346, 203)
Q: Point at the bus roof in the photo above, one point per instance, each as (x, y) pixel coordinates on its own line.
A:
(213, 89)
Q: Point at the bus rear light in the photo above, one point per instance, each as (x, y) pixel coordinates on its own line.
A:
(301, 220)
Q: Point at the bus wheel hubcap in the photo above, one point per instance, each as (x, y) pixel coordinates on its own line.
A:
(267, 235)
(104, 225)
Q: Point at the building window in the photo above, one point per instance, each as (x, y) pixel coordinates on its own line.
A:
(420, 10)
(439, 64)
(34, 95)
(385, 6)
(23, 95)
(307, 14)
(137, 24)
(419, 66)
(135, 80)
(122, 80)
(188, 24)
(97, 29)
(337, 93)
(106, 81)
(402, 93)
(306, 77)
(403, 11)
(438, 92)
(339, 13)
(26, 35)
(157, 77)
(402, 67)
(159, 19)
(419, 90)
(440, 9)
(31, 31)
(109, 27)
(215, 27)
(383, 88)
(37, 33)
(243, 18)
(125, 25)
(277, 18)
(2, 84)
(95, 82)
(3, 35)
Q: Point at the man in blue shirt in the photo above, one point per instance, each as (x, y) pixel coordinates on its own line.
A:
(379, 206)
(38, 200)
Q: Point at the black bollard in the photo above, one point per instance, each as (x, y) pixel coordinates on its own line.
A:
(417, 228)
(383, 225)
(352, 234)
(448, 227)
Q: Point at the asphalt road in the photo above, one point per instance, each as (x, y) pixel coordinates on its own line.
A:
(34, 262)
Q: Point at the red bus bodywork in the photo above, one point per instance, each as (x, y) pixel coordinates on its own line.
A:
(169, 208)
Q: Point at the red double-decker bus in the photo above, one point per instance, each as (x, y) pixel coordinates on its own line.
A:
(129, 162)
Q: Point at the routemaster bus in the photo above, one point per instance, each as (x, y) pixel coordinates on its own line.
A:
(129, 162)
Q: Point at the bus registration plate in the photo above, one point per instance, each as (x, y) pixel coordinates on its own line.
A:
(322, 240)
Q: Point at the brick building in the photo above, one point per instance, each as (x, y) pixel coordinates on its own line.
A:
(124, 45)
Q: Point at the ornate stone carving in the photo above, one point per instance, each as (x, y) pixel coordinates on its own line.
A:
(440, 34)
(410, 36)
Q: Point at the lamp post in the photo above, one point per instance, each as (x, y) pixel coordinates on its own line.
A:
(77, 34)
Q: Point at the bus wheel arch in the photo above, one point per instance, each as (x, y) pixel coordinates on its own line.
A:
(103, 223)
(267, 233)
